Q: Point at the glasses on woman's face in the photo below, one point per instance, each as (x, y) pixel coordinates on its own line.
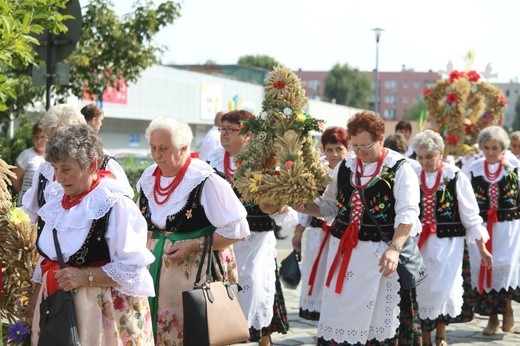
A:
(362, 148)
(227, 130)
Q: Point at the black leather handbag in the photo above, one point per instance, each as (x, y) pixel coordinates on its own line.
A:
(57, 314)
(290, 273)
(411, 269)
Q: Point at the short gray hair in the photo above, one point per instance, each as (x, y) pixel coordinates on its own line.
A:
(180, 132)
(514, 136)
(428, 140)
(78, 142)
(59, 116)
(493, 133)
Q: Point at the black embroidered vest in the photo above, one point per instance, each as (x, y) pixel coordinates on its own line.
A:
(379, 198)
(446, 213)
(190, 218)
(94, 248)
(508, 196)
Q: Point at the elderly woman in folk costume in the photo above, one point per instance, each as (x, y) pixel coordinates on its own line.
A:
(363, 302)
(449, 215)
(102, 237)
(334, 146)
(261, 298)
(57, 117)
(494, 178)
(182, 200)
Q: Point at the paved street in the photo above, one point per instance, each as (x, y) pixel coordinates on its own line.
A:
(302, 332)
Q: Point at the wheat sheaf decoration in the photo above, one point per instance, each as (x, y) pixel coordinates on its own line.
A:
(461, 106)
(18, 258)
(280, 164)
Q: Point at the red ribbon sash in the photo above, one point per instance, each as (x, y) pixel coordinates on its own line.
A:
(347, 243)
(485, 273)
(314, 270)
(426, 231)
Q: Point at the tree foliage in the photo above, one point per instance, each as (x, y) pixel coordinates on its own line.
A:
(262, 61)
(413, 112)
(516, 122)
(348, 86)
(112, 49)
(19, 20)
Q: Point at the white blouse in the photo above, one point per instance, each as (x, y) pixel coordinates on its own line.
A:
(222, 207)
(406, 190)
(126, 234)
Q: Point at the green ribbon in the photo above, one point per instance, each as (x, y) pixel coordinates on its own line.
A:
(155, 267)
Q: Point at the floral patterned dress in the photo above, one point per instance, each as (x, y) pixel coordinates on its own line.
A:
(202, 199)
(107, 230)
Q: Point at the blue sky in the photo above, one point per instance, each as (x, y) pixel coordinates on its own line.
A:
(315, 35)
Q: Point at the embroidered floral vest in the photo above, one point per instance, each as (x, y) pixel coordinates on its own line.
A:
(190, 218)
(508, 196)
(95, 247)
(446, 214)
(379, 198)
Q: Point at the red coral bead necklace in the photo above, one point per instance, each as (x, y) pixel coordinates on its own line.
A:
(425, 188)
(493, 176)
(360, 172)
(68, 203)
(166, 192)
(228, 171)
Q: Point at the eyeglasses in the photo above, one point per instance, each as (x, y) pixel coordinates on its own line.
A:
(228, 130)
(363, 148)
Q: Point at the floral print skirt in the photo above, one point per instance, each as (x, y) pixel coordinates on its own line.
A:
(106, 317)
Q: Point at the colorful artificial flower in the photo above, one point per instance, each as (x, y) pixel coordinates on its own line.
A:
(473, 76)
(287, 111)
(452, 139)
(16, 332)
(301, 118)
(263, 115)
(288, 164)
(279, 84)
(254, 182)
(427, 91)
(503, 100)
(452, 98)
(454, 75)
(17, 216)
(488, 118)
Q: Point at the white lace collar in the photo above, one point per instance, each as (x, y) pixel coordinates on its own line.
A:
(93, 206)
(216, 159)
(47, 170)
(198, 170)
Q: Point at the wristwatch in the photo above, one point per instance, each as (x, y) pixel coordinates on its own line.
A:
(396, 246)
(90, 277)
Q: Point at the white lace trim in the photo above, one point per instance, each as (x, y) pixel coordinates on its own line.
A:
(197, 171)
(216, 159)
(133, 280)
(94, 205)
(233, 230)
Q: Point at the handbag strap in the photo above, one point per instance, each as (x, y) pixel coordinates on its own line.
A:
(374, 221)
(58, 248)
(207, 251)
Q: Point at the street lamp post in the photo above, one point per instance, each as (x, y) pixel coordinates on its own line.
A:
(378, 32)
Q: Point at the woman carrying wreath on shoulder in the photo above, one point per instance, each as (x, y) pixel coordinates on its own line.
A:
(182, 200)
(449, 215)
(494, 179)
(102, 237)
(363, 303)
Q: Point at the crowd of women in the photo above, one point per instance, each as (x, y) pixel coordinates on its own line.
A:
(129, 262)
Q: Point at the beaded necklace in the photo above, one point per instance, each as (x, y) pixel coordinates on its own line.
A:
(359, 170)
(228, 171)
(424, 187)
(493, 176)
(166, 192)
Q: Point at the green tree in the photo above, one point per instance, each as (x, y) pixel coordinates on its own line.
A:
(19, 20)
(262, 61)
(112, 49)
(413, 112)
(348, 86)
(516, 122)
